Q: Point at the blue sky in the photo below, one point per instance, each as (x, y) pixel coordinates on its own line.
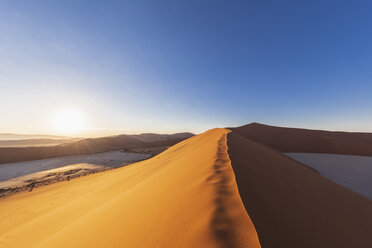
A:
(168, 66)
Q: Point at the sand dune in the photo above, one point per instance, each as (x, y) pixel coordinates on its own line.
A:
(304, 140)
(90, 146)
(153, 137)
(218, 189)
(293, 206)
(184, 197)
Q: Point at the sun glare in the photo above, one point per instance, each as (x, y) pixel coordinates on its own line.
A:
(69, 121)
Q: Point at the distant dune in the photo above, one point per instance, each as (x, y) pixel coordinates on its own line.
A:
(304, 140)
(88, 146)
(219, 189)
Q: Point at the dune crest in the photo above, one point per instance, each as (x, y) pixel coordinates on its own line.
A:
(184, 197)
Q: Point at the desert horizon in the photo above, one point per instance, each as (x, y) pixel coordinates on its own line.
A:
(231, 183)
(186, 124)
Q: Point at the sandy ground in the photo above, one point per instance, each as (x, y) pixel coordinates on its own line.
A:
(353, 172)
(184, 197)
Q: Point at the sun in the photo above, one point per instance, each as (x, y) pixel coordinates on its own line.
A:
(69, 121)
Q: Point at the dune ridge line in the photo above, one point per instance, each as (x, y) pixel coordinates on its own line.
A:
(225, 220)
(184, 197)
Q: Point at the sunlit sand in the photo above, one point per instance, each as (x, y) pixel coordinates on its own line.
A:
(184, 197)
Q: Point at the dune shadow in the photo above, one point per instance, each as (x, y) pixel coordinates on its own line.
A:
(222, 224)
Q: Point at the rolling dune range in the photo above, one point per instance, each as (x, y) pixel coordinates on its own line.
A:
(34, 166)
(221, 188)
(136, 143)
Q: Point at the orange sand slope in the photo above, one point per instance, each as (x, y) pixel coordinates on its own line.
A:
(184, 197)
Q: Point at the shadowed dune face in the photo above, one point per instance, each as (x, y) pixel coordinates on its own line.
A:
(309, 141)
(227, 227)
(293, 206)
(184, 197)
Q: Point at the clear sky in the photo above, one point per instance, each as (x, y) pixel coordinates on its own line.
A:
(168, 66)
